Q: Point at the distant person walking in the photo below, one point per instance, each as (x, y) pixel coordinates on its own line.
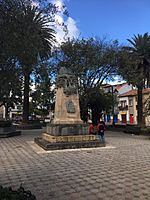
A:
(101, 127)
(91, 127)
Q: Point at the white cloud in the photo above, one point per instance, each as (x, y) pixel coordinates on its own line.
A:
(73, 31)
(58, 3)
(35, 3)
(59, 19)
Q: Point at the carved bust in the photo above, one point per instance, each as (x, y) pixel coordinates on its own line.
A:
(68, 81)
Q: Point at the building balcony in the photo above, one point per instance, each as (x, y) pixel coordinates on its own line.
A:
(123, 107)
(16, 110)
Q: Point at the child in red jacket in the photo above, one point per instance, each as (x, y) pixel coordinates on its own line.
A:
(91, 127)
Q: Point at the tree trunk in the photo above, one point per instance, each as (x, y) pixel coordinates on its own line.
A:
(26, 97)
(140, 107)
(6, 112)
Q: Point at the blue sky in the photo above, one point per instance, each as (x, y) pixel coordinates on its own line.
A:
(116, 19)
(113, 19)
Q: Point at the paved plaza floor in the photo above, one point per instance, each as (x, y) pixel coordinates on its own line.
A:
(119, 171)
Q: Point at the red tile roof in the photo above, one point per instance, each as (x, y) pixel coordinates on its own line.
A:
(134, 92)
(120, 85)
(117, 86)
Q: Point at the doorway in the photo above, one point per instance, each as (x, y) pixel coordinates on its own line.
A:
(124, 118)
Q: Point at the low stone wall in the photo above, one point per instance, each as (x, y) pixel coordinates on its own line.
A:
(8, 132)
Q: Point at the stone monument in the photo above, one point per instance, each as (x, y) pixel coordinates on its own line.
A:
(67, 109)
(67, 119)
(67, 130)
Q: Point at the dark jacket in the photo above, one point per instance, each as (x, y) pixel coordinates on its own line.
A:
(101, 127)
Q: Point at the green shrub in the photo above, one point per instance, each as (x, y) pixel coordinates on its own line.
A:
(7, 193)
(145, 131)
(5, 123)
(31, 124)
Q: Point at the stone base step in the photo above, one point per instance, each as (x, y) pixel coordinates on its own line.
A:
(67, 145)
(69, 138)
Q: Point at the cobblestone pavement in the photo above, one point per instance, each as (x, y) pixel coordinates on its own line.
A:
(119, 171)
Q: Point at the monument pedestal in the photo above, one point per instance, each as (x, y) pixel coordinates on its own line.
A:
(67, 129)
(67, 136)
(49, 142)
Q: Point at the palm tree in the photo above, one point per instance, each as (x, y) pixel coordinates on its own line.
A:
(141, 50)
(32, 40)
(140, 53)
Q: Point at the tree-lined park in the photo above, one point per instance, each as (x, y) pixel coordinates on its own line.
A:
(30, 55)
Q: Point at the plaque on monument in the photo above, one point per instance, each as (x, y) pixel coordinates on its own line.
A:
(70, 106)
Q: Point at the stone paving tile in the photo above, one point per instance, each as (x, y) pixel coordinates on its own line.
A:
(120, 171)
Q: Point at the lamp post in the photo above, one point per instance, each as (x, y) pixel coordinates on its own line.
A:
(113, 103)
(112, 94)
(89, 113)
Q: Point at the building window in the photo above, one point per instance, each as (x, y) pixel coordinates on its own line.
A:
(136, 98)
(19, 107)
(123, 103)
(130, 102)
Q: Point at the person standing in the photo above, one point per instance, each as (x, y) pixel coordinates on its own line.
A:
(91, 127)
(101, 130)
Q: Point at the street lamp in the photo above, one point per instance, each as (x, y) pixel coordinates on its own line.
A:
(113, 103)
(89, 113)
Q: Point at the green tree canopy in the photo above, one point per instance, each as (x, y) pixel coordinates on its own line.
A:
(92, 61)
(43, 94)
(27, 36)
(10, 85)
